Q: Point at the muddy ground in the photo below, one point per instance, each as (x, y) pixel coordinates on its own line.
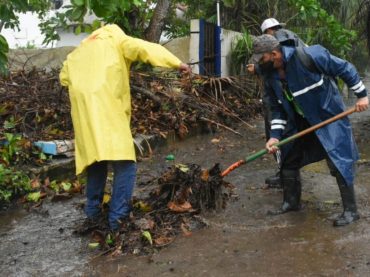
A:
(241, 241)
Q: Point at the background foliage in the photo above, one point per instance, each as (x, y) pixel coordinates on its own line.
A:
(9, 19)
(328, 22)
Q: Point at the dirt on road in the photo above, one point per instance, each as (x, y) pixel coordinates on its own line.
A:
(243, 240)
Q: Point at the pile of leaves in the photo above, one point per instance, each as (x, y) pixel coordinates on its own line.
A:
(172, 207)
(164, 102)
(51, 190)
(35, 105)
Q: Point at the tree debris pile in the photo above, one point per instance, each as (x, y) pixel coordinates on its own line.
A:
(165, 102)
(172, 207)
(35, 105)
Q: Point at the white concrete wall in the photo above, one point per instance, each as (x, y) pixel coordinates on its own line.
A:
(39, 58)
(227, 39)
(179, 47)
(69, 39)
(29, 32)
(184, 48)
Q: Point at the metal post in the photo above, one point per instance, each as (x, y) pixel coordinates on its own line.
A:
(218, 38)
(218, 13)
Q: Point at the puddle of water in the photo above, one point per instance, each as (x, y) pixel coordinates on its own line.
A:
(41, 244)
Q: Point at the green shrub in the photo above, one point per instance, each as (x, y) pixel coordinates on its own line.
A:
(12, 182)
(241, 51)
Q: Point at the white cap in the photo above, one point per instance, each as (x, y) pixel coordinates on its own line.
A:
(269, 23)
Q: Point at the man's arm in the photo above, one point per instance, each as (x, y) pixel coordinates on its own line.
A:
(155, 54)
(254, 69)
(278, 115)
(335, 67)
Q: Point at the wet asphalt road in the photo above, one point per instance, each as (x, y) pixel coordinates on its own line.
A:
(241, 241)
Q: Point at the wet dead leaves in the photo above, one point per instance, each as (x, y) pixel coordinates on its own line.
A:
(172, 207)
(53, 191)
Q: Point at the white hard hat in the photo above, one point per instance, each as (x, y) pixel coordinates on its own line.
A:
(269, 23)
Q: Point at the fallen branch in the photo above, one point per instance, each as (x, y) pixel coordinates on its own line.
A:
(147, 93)
(221, 125)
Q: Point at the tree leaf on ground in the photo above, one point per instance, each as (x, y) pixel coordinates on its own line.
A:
(46, 182)
(180, 208)
(54, 186)
(182, 167)
(33, 196)
(163, 241)
(204, 175)
(147, 236)
(142, 206)
(66, 186)
(35, 183)
(215, 141)
(109, 239)
(145, 223)
(185, 230)
(94, 245)
(77, 187)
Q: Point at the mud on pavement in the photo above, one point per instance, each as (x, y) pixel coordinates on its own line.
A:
(245, 241)
(241, 241)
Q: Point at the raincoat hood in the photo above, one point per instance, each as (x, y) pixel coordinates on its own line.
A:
(287, 52)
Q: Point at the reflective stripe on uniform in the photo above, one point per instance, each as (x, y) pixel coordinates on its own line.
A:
(358, 87)
(278, 121)
(277, 126)
(306, 89)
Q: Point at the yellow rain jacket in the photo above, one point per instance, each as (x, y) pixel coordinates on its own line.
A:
(97, 76)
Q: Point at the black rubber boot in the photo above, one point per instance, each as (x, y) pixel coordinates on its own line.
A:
(350, 213)
(273, 181)
(292, 187)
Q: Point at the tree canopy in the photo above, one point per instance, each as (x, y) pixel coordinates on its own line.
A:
(9, 19)
(328, 22)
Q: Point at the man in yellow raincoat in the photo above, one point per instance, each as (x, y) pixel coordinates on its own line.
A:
(97, 76)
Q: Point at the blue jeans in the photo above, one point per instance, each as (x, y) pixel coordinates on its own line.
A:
(124, 175)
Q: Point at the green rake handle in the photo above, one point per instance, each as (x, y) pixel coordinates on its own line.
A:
(287, 140)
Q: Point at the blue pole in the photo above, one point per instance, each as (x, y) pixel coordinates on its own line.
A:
(201, 46)
(218, 51)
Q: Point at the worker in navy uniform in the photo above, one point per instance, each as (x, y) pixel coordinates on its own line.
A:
(273, 27)
(305, 98)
